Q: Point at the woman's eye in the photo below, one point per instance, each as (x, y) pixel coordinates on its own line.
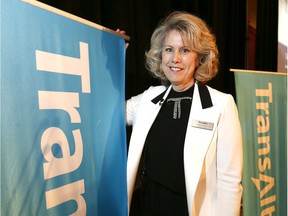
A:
(168, 49)
(185, 50)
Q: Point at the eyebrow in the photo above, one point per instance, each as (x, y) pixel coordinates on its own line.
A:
(184, 46)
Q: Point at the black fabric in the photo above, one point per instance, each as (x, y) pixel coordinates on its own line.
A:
(227, 20)
(157, 201)
(205, 97)
(159, 98)
(165, 142)
(267, 36)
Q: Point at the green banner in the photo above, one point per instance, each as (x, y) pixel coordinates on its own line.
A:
(262, 105)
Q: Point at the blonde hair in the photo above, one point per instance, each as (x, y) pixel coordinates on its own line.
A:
(199, 37)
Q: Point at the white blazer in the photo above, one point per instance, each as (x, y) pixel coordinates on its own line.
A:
(212, 150)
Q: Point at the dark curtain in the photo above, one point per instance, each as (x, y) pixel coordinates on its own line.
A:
(266, 36)
(227, 20)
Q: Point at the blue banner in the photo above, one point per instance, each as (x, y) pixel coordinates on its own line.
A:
(63, 138)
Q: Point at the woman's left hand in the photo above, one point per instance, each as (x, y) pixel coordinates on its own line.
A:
(124, 33)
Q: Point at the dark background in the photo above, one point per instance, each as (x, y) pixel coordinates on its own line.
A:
(227, 19)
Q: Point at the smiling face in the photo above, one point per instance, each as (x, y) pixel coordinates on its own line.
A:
(178, 61)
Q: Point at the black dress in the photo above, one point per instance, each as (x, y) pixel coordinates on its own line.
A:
(163, 189)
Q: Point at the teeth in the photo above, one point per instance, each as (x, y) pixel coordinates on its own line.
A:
(175, 69)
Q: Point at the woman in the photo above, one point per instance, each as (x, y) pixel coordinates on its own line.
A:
(187, 134)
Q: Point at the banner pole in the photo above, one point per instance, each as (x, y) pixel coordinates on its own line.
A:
(74, 17)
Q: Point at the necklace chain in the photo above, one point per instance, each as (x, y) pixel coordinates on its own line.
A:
(177, 106)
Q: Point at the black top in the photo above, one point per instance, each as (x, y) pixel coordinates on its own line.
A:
(165, 141)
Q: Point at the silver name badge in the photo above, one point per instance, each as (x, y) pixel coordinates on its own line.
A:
(202, 124)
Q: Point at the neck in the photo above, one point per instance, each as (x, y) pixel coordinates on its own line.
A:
(181, 88)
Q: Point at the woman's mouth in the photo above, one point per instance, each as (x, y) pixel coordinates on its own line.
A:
(175, 69)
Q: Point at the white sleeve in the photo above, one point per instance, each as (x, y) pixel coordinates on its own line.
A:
(229, 161)
(131, 108)
(133, 103)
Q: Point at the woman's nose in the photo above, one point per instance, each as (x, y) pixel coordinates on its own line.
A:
(176, 57)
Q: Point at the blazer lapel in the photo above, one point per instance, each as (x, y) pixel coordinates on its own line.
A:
(200, 130)
(150, 112)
